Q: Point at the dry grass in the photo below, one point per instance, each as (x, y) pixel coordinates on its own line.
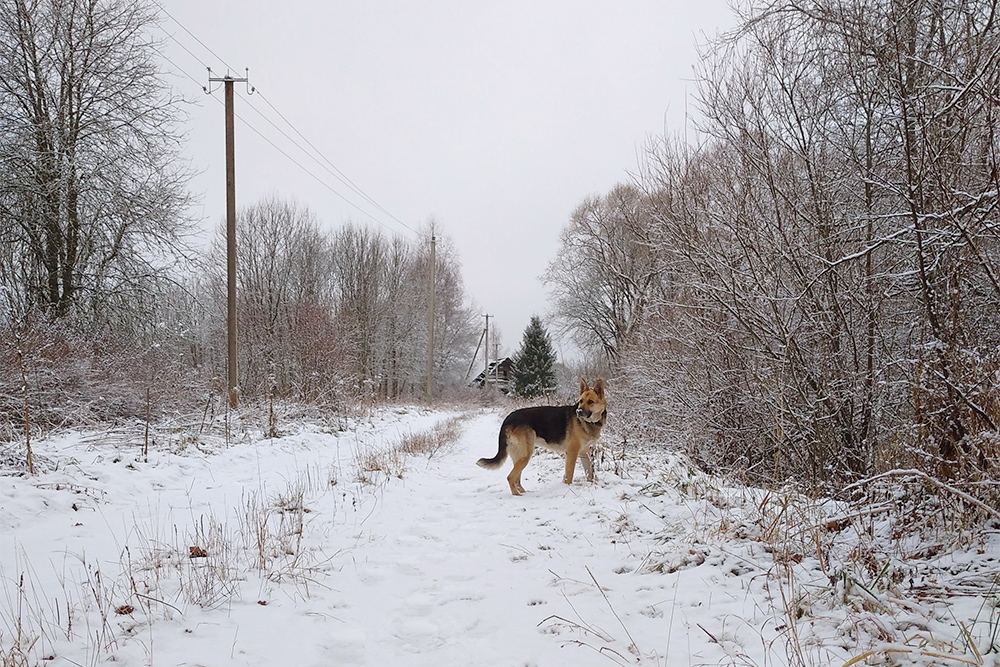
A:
(378, 464)
(860, 578)
(207, 563)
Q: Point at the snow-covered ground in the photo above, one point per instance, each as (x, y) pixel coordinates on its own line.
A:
(330, 547)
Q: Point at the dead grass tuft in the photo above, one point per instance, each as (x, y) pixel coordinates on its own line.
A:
(375, 465)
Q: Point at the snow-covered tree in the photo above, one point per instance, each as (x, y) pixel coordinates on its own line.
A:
(810, 288)
(92, 191)
(606, 271)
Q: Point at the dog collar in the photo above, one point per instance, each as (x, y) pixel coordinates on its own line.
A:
(604, 414)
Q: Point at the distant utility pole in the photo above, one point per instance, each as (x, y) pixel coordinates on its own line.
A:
(486, 351)
(474, 355)
(430, 329)
(233, 381)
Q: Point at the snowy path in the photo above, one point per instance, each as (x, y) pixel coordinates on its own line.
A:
(452, 569)
(432, 564)
(445, 567)
(440, 566)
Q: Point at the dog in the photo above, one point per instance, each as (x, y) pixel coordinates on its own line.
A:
(567, 429)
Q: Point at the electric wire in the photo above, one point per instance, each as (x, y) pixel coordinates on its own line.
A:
(178, 67)
(337, 173)
(332, 169)
(193, 36)
(280, 150)
(180, 44)
(317, 178)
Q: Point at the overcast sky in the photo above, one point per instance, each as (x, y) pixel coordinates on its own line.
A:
(495, 119)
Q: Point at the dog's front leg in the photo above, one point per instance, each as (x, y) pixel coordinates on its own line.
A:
(588, 465)
(572, 452)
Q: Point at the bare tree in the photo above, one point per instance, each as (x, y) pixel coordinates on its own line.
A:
(858, 220)
(91, 188)
(382, 308)
(606, 271)
(827, 286)
(456, 323)
(287, 339)
(358, 255)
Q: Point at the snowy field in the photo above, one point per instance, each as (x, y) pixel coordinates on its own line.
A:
(335, 547)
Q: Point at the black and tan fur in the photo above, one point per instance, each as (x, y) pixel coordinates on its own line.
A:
(567, 429)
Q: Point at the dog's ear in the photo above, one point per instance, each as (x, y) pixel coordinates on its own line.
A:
(599, 388)
(583, 386)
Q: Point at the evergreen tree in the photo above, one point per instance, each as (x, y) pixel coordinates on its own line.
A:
(534, 366)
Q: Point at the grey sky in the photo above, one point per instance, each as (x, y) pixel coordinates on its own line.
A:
(496, 119)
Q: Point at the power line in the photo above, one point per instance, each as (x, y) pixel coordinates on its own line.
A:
(180, 44)
(336, 173)
(341, 176)
(194, 37)
(290, 158)
(332, 169)
(317, 178)
(178, 67)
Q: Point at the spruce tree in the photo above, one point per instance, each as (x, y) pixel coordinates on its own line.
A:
(534, 365)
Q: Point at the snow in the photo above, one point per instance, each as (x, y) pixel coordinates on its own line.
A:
(315, 557)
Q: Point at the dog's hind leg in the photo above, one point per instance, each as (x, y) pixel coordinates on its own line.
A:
(514, 478)
(520, 447)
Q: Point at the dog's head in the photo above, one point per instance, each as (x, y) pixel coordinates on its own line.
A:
(591, 407)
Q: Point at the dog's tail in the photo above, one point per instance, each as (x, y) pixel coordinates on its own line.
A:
(496, 461)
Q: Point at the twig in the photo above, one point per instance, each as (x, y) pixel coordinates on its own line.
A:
(204, 415)
(620, 622)
(519, 548)
(27, 414)
(145, 445)
(604, 650)
(560, 578)
(754, 564)
(927, 478)
(711, 636)
(163, 602)
(911, 651)
(588, 629)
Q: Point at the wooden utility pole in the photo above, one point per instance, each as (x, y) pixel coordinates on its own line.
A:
(430, 328)
(232, 379)
(486, 352)
(474, 355)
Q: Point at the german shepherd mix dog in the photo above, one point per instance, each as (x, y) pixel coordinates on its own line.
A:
(567, 429)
